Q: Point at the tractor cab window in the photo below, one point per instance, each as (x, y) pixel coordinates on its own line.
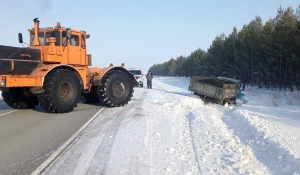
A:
(74, 41)
(41, 37)
(55, 34)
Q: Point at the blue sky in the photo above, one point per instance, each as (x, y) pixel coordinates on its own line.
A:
(137, 33)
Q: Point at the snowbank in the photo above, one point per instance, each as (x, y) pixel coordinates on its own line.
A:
(267, 127)
(269, 123)
(272, 98)
(216, 148)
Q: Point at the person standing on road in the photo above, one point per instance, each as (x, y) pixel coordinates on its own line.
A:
(149, 77)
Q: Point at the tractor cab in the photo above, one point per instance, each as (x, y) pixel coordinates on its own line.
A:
(59, 44)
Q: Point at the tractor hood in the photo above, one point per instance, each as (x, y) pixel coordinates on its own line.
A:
(18, 61)
(19, 53)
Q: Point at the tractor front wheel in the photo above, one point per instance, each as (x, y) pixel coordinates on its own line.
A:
(20, 98)
(116, 89)
(62, 91)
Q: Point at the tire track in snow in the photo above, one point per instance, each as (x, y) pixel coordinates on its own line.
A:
(88, 144)
(101, 158)
(190, 116)
(135, 166)
(150, 140)
(77, 158)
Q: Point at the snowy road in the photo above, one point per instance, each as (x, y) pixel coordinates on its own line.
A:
(167, 130)
(29, 137)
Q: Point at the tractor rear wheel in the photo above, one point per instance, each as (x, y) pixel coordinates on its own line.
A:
(20, 98)
(116, 89)
(62, 91)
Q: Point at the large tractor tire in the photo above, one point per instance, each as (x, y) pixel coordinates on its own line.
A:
(20, 98)
(62, 90)
(116, 89)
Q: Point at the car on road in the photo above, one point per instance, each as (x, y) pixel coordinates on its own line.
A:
(137, 72)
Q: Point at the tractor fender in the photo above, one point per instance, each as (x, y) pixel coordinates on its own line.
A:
(103, 71)
(42, 72)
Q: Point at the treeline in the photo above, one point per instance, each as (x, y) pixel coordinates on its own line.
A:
(264, 54)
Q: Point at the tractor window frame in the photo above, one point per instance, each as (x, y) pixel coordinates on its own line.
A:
(64, 40)
(41, 36)
(72, 42)
(56, 35)
(83, 41)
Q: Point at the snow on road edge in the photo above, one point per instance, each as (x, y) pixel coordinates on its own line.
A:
(251, 132)
(218, 150)
(171, 131)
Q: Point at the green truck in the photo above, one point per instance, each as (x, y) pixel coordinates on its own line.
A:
(220, 90)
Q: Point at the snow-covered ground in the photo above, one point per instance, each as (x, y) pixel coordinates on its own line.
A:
(168, 130)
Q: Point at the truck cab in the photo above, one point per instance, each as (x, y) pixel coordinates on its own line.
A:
(232, 80)
(137, 72)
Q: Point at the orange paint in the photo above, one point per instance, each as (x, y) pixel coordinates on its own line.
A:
(59, 52)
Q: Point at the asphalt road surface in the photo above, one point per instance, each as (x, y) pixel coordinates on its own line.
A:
(29, 137)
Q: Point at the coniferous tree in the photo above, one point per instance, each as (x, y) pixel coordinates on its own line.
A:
(264, 54)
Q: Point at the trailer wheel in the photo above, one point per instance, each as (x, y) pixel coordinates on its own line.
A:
(62, 91)
(116, 89)
(20, 98)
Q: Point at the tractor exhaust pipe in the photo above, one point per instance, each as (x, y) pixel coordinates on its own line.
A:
(36, 31)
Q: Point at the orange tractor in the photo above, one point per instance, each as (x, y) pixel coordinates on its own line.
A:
(54, 72)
